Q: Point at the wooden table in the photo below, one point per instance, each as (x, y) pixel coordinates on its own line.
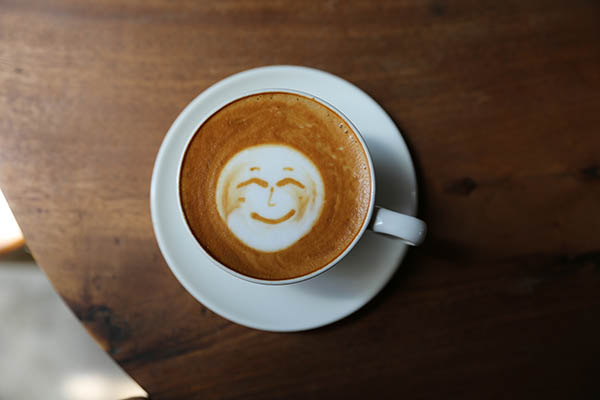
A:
(499, 101)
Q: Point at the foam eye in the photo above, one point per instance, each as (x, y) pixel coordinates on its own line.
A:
(258, 181)
(290, 181)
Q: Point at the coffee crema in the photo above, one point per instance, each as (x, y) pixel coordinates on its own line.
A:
(275, 185)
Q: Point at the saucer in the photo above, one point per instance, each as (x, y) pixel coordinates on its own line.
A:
(328, 297)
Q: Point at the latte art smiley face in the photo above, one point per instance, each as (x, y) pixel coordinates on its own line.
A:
(269, 196)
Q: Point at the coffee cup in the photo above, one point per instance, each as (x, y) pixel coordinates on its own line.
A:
(277, 186)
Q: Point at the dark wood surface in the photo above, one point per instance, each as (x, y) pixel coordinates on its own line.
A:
(499, 101)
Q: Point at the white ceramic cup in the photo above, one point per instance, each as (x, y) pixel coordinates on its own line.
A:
(407, 229)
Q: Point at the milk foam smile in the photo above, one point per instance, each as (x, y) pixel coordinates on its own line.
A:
(270, 196)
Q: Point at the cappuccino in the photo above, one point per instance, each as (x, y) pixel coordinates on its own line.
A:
(275, 185)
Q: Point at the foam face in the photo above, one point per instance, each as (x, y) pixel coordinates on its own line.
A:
(270, 196)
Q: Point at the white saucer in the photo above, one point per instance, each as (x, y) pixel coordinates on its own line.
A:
(328, 297)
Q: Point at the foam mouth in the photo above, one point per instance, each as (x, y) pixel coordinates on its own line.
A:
(270, 196)
(260, 218)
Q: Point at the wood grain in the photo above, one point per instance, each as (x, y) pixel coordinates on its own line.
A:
(499, 102)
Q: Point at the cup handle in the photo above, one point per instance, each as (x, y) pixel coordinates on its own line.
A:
(409, 229)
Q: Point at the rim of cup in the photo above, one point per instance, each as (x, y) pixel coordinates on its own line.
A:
(348, 248)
